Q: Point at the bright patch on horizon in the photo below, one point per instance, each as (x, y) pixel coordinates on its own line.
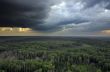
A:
(10, 29)
(106, 31)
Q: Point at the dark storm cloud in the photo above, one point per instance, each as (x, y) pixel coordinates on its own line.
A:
(22, 13)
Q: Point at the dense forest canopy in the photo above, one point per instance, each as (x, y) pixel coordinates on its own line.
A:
(54, 54)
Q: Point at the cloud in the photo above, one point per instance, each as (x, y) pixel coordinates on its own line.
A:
(56, 15)
(79, 13)
(23, 13)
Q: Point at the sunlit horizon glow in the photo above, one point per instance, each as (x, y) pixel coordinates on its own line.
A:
(14, 29)
(18, 31)
(106, 32)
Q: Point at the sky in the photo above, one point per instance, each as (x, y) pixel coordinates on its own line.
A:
(55, 17)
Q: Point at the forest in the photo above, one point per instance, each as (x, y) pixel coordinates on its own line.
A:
(54, 54)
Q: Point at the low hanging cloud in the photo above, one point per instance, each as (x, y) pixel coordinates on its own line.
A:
(56, 15)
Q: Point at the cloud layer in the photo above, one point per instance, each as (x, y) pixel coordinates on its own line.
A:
(56, 15)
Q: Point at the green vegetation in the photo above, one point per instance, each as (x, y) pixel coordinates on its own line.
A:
(54, 55)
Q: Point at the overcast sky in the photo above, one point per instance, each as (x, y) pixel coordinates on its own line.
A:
(57, 17)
